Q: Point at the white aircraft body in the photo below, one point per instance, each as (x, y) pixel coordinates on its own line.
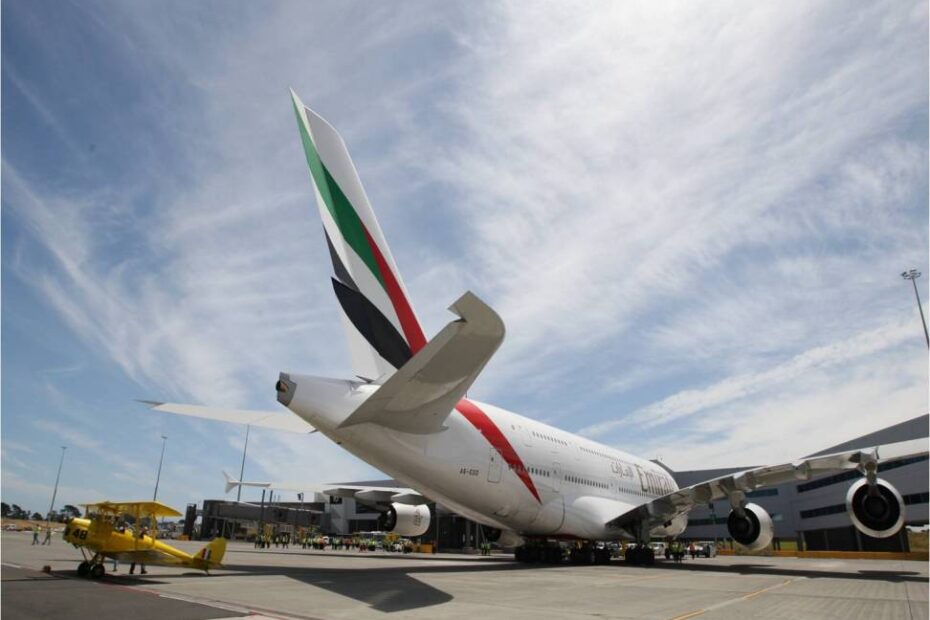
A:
(408, 416)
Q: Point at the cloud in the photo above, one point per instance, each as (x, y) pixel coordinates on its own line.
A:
(71, 436)
(677, 211)
(784, 376)
(639, 156)
(817, 410)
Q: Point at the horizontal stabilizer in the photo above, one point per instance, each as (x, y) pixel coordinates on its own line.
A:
(423, 392)
(262, 419)
(232, 483)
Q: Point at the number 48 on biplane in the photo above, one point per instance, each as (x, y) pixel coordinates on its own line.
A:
(104, 533)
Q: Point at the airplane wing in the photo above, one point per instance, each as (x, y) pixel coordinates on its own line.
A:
(423, 392)
(262, 419)
(154, 509)
(378, 495)
(151, 556)
(663, 509)
(367, 494)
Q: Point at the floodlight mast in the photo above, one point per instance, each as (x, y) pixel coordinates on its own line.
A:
(912, 275)
(164, 442)
(48, 517)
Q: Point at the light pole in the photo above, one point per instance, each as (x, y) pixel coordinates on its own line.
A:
(242, 469)
(61, 462)
(164, 442)
(912, 275)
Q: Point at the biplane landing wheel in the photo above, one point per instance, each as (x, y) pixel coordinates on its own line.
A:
(97, 571)
(83, 568)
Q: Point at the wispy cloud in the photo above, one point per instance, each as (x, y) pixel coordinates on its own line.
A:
(609, 195)
(72, 436)
(785, 376)
(677, 211)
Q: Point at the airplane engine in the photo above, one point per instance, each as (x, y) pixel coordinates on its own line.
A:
(876, 512)
(753, 531)
(405, 520)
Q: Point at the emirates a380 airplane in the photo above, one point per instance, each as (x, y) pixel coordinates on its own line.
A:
(526, 482)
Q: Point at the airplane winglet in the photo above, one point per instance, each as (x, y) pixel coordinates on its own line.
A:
(151, 403)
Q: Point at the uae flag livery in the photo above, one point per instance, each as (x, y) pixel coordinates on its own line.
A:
(382, 328)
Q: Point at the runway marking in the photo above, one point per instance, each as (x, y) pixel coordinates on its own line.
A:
(632, 579)
(731, 601)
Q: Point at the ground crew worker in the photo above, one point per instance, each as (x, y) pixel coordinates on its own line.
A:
(35, 536)
(132, 566)
(48, 536)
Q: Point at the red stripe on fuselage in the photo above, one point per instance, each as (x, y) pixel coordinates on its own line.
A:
(408, 321)
(496, 438)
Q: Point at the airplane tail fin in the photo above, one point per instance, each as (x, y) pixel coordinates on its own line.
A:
(231, 483)
(382, 328)
(211, 556)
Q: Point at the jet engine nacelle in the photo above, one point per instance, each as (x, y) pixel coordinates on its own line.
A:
(405, 520)
(876, 512)
(754, 530)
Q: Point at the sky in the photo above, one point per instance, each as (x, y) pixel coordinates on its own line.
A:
(692, 218)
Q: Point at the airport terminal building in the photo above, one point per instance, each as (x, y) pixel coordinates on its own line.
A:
(812, 513)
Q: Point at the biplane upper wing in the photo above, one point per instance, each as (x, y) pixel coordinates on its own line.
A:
(154, 509)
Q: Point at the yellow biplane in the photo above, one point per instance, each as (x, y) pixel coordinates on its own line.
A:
(103, 532)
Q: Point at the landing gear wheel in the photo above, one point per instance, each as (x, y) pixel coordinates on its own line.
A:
(649, 556)
(83, 568)
(97, 571)
(640, 556)
(553, 555)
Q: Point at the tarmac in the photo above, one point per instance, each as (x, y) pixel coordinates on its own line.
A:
(325, 585)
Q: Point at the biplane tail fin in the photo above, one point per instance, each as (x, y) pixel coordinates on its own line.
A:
(211, 556)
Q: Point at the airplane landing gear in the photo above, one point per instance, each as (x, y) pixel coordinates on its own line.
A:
(92, 568)
(640, 555)
(539, 553)
(589, 554)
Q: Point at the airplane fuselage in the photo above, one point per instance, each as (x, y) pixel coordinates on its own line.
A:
(494, 466)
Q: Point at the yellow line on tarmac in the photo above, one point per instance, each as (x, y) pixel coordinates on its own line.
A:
(745, 597)
(758, 592)
(632, 579)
